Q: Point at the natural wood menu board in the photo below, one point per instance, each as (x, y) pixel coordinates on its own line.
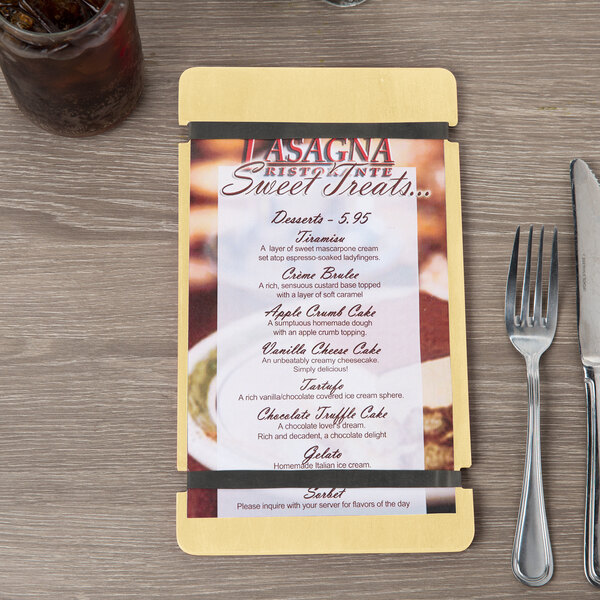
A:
(322, 360)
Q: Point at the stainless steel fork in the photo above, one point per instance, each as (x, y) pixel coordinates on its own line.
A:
(532, 334)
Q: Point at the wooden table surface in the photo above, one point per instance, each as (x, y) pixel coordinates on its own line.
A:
(88, 310)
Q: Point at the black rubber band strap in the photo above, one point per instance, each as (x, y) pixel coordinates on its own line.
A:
(343, 478)
(216, 130)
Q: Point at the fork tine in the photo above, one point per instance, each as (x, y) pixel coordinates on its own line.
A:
(552, 312)
(537, 294)
(511, 283)
(526, 276)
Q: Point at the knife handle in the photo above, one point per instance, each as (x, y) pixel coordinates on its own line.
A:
(590, 537)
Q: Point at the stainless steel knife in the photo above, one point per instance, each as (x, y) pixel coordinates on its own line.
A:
(586, 211)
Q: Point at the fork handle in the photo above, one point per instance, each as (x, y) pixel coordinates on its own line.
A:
(590, 539)
(532, 560)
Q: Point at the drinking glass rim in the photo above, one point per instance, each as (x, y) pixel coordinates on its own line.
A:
(56, 36)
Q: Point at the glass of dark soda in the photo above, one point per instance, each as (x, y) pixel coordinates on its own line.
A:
(74, 67)
(345, 2)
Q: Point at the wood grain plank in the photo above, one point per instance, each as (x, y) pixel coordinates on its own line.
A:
(88, 312)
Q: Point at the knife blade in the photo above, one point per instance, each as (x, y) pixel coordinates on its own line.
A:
(586, 211)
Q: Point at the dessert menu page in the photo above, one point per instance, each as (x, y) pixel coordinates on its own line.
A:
(331, 347)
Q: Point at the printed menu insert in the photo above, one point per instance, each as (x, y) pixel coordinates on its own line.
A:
(318, 320)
